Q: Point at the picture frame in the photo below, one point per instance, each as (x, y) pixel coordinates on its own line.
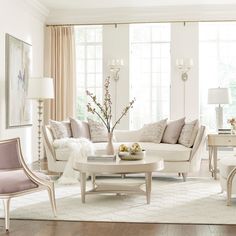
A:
(18, 64)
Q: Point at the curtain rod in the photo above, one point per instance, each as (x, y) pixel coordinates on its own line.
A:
(139, 22)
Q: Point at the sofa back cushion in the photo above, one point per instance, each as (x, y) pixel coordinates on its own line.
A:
(80, 129)
(153, 132)
(98, 131)
(60, 129)
(172, 131)
(189, 133)
(127, 135)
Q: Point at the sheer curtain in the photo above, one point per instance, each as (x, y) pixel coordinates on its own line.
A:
(60, 62)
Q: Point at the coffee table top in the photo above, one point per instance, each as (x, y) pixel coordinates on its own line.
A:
(148, 164)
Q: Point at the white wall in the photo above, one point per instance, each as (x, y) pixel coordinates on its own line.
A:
(21, 20)
(184, 44)
(116, 46)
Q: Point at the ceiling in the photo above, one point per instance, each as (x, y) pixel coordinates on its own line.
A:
(92, 4)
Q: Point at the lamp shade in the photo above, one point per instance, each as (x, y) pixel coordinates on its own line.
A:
(218, 96)
(40, 88)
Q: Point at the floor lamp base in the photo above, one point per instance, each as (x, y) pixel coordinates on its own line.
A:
(40, 121)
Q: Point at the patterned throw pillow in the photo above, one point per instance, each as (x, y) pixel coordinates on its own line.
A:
(189, 133)
(98, 131)
(80, 129)
(172, 131)
(60, 129)
(153, 132)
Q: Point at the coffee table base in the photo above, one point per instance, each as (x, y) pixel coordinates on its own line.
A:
(118, 188)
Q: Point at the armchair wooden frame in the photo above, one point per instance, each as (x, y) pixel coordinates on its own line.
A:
(229, 185)
(42, 184)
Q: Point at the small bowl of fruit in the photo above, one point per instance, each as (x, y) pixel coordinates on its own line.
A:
(135, 152)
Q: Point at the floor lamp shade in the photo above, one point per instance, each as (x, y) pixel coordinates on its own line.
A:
(40, 88)
(219, 96)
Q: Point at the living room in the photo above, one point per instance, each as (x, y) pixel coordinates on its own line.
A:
(170, 72)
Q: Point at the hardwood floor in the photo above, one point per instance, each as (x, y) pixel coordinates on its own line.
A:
(64, 228)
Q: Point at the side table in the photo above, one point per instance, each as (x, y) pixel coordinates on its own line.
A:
(215, 141)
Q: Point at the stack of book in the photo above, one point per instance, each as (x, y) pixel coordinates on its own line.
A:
(102, 158)
(224, 131)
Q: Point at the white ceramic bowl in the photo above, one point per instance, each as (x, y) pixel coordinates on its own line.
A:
(132, 156)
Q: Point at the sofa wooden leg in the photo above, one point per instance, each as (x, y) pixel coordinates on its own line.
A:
(179, 174)
(184, 175)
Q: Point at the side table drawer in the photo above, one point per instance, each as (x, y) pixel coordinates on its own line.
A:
(224, 140)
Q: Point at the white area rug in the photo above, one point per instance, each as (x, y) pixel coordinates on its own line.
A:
(172, 201)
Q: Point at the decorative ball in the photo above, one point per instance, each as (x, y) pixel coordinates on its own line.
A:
(135, 148)
(123, 148)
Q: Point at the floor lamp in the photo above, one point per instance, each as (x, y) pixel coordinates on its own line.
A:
(219, 96)
(40, 89)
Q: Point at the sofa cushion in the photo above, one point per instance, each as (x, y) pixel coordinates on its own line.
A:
(169, 152)
(128, 135)
(153, 132)
(98, 131)
(80, 129)
(172, 131)
(60, 129)
(189, 133)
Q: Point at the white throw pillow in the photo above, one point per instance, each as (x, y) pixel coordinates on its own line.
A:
(98, 131)
(189, 133)
(60, 129)
(153, 132)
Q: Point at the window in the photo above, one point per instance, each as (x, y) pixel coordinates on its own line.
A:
(217, 66)
(149, 72)
(88, 66)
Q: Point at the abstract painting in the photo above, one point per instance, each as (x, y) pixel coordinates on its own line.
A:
(18, 63)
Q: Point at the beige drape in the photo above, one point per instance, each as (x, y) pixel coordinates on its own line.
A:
(60, 65)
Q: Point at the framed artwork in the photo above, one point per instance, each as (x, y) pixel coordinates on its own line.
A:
(18, 63)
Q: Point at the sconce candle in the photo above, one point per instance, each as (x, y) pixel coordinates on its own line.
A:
(184, 65)
(115, 66)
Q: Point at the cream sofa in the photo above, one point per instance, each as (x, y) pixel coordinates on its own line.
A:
(177, 158)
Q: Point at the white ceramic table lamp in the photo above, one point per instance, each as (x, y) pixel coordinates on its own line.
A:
(219, 96)
(40, 89)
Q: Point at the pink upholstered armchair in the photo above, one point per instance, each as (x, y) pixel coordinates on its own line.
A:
(17, 179)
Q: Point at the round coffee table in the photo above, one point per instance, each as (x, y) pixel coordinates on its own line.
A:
(148, 165)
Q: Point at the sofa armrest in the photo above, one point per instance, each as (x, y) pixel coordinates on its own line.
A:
(48, 142)
(127, 135)
(199, 142)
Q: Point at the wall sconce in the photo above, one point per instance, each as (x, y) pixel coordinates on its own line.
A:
(184, 65)
(115, 66)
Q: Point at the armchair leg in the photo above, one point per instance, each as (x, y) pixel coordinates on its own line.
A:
(184, 175)
(6, 203)
(228, 197)
(51, 193)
